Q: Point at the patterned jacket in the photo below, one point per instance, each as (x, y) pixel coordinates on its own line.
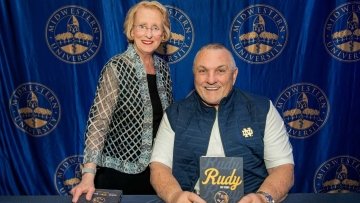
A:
(120, 125)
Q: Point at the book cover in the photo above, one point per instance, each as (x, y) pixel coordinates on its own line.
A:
(221, 179)
(103, 196)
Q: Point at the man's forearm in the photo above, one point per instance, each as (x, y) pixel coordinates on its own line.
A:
(164, 182)
(279, 181)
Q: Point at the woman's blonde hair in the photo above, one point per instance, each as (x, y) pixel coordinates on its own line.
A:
(129, 20)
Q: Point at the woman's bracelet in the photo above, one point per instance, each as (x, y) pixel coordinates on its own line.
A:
(88, 170)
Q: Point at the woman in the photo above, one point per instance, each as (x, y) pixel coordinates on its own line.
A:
(133, 90)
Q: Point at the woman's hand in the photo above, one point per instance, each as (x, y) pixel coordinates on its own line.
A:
(85, 186)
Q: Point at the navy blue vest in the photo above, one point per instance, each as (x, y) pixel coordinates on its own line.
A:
(192, 123)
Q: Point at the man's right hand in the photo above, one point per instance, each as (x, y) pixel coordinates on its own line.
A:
(186, 197)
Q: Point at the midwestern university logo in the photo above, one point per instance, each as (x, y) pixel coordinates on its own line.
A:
(258, 34)
(304, 108)
(34, 109)
(338, 175)
(342, 32)
(68, 174)
(73, 34)
(182, 36)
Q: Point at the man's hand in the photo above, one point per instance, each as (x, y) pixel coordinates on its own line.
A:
(186, 197)
(167, 187)
(252, 198)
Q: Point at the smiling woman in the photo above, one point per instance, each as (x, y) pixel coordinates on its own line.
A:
(133, 90)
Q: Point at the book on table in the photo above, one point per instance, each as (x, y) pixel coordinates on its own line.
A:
(221, 179)
(103, 196)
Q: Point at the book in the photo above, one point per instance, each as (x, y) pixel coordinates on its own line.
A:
(103, 196)
(221, 179)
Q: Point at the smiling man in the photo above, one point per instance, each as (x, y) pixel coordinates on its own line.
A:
(215, 74)
(210, 122)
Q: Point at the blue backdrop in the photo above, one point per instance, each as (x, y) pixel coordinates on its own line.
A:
(303, 55)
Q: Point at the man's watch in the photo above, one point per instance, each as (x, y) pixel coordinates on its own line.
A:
(267, 196)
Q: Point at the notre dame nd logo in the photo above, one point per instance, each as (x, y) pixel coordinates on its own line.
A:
(258, 34)
(304, 108)
(34, 109)
(342, 32)
(73, 34)
(182, 36)
(338, 175)
(68, 174)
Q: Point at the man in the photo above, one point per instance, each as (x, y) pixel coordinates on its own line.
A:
(211, 122)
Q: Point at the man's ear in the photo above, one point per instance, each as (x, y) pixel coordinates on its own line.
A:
(235, 73)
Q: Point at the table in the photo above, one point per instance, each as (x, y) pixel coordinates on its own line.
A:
(291, 198)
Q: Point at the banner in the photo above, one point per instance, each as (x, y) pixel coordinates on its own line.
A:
(303, 55)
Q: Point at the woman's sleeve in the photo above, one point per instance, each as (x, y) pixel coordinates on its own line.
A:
(100, 113)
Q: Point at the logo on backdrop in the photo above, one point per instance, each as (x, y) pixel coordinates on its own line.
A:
(182, 36)
(304, 108)
(338, 175)
(73, 34)
(342, 32)
(258, 34)
(68, 174)
(34, 109)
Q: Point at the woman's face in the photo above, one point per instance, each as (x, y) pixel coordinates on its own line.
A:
(147, 31)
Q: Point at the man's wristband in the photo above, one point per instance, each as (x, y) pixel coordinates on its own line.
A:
(267, 196)
(88, 170)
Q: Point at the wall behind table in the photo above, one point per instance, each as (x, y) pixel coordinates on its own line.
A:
(304, 56)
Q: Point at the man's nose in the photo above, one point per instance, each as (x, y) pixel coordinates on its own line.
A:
(211, 77)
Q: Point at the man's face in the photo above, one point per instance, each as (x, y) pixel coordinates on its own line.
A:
(215, 74)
